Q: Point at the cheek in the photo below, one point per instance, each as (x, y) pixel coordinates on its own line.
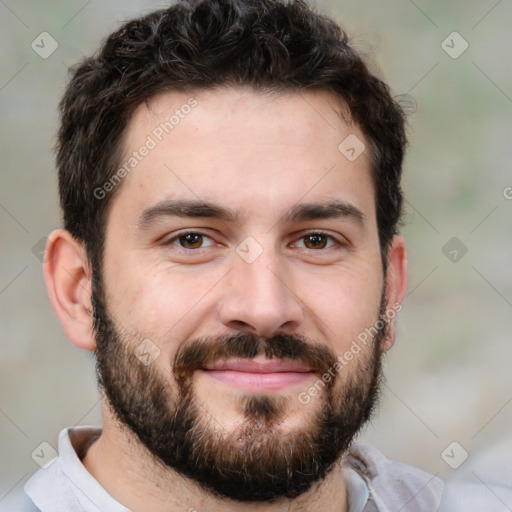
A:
(164, 303)
(346, 304)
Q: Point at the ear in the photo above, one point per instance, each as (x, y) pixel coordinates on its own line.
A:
(396, 286)
(67, 274)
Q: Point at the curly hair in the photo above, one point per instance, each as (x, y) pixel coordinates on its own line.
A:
(271, 45)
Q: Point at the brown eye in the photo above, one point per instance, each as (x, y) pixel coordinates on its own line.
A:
(315, 241)
(190, 240)
(318, 240)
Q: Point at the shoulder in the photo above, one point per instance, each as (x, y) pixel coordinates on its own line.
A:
(395, 485)
(17, 501)
(477, 497)
(384, 472)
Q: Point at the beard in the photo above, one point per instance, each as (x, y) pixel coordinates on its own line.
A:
(257, 460)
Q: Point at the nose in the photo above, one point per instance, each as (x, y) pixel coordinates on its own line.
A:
(260, 297)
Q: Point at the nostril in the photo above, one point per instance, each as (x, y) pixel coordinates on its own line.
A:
(241, 325)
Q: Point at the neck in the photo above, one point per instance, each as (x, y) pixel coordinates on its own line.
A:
(128, 472)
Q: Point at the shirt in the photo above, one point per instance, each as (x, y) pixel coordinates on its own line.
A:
(374, 484)
(357, 490)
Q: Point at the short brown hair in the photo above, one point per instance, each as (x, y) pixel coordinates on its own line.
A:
(273, 45)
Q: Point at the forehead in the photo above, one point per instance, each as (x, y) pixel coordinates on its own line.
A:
(245, 148)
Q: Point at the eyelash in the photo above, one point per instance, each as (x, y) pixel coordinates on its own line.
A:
(309, 233)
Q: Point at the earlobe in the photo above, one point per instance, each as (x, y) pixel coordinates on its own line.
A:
(67, 274)
(396, 281)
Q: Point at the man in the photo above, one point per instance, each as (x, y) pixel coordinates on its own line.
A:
(229, 173)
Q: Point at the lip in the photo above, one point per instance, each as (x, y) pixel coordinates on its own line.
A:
(259, 374)
(259, 365)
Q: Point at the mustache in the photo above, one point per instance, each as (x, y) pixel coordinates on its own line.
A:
(197, 353)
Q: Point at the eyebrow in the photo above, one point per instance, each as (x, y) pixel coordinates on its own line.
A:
(333, 209)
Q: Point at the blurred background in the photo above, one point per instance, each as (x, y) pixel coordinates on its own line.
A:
(447, 402)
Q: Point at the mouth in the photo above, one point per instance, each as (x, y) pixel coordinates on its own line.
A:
(259, 374)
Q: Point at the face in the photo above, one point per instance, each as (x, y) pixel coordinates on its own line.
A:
(241, 264)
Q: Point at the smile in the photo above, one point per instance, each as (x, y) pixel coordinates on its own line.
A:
(259, 374)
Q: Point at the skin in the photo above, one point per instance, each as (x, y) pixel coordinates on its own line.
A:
(258, 155)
